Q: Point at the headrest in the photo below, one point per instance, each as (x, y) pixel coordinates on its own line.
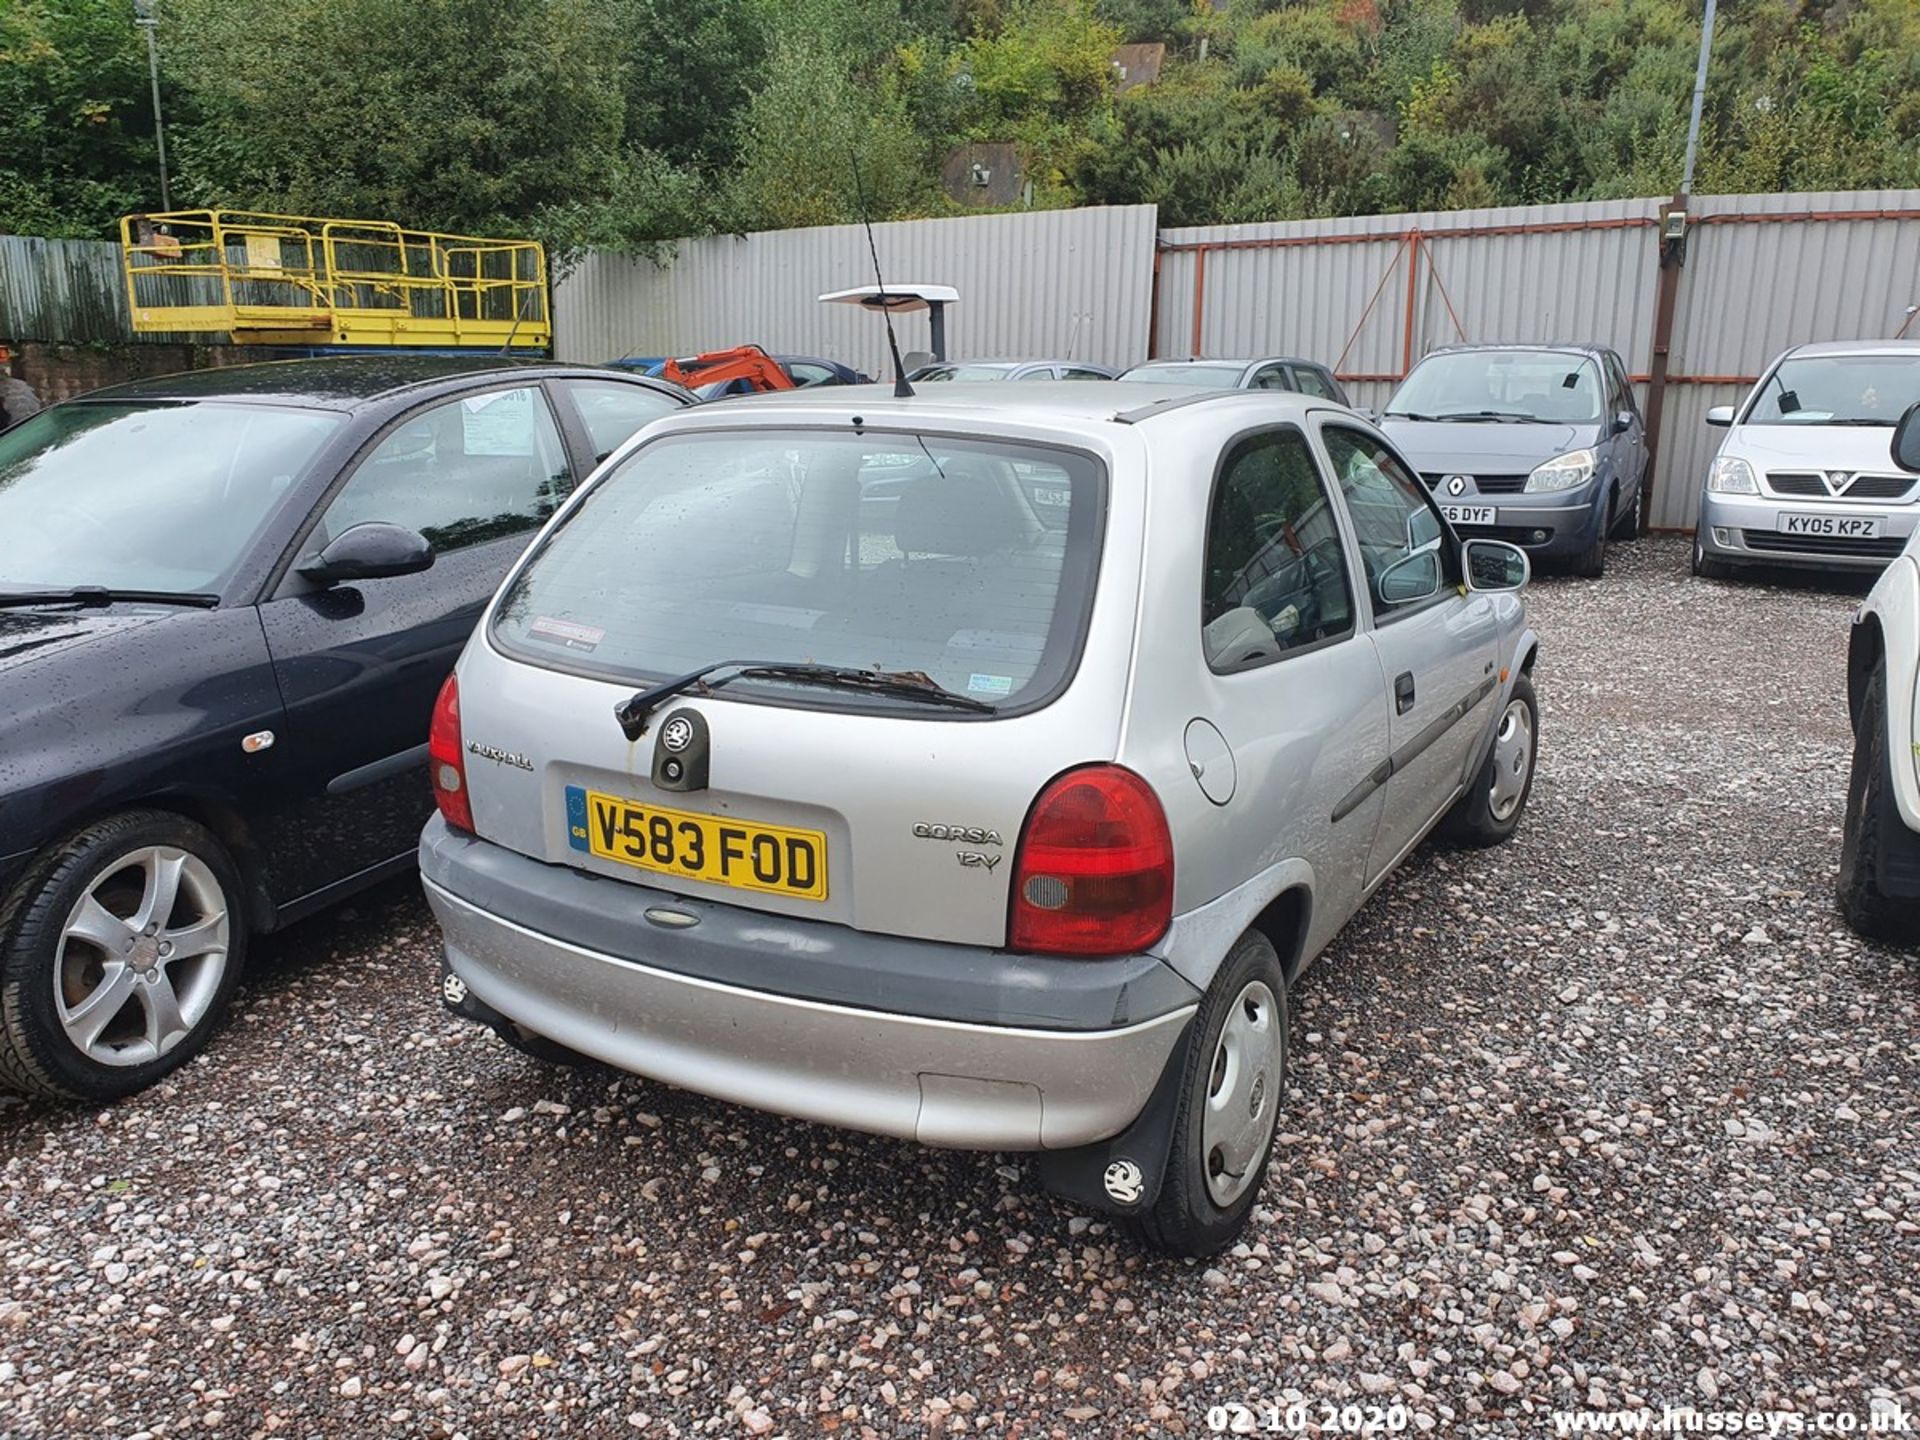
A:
(956, 515)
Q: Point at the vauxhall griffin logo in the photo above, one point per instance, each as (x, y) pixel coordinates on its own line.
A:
(677, 734)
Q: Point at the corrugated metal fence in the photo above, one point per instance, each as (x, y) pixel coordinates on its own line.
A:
(67, 290)
(1368, 294)
(1055, 283)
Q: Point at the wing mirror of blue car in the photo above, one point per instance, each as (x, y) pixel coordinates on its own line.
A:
(1622, 421)
(1721, 415)
(1906, 440)
(371, 550)
(1413, 578)
(1495, 565)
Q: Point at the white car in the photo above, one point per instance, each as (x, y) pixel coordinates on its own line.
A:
(978, 767)
(1880, 855)
(1802, 477)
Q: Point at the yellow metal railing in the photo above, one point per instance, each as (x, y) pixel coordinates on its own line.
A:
(295, 279)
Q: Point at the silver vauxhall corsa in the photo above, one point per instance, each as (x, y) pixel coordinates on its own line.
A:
(979, 767)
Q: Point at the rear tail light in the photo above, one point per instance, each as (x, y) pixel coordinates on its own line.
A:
(1094, 872)
(445, 760)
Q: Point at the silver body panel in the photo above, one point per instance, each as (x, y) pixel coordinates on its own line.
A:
(1306, 738)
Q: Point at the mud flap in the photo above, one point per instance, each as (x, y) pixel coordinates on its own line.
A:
(1122, 1175)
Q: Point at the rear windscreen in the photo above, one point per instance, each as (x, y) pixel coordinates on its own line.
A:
(968, 560)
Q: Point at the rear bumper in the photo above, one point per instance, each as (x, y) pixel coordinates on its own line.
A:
(1045, 1084)
(1744, 529)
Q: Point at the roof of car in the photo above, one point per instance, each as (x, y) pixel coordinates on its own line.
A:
(337, 382)
(1823, 348)
(1028, 401)
(1241, 360)
(1570, 347)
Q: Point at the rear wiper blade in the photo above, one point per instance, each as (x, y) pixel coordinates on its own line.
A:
(107, 595)
(633, 711)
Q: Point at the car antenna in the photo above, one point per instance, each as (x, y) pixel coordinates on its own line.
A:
(901, 389)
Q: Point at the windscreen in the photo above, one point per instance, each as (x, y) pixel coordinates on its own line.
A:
(1838, 390)
(1207, 377)
(1552, 386)
(969, 561)
(146, 496)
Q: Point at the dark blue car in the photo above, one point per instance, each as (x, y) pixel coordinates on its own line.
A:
(228, 600)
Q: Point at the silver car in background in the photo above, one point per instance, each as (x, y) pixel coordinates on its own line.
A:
(1803, 477)
(978, 768)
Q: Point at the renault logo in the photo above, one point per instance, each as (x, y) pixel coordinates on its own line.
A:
(677, 734)
(1456, 485)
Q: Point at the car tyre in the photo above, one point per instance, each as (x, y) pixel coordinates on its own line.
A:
(1591, 563)
(1230, 1095)
(1627, 526)
(1490, 811)
(1706, 566)
(119, 949)
(1873, 827)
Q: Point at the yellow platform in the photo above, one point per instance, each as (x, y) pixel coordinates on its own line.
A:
(302, 280)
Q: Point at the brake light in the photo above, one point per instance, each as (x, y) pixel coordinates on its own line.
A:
(1094, 872)
(445, 760)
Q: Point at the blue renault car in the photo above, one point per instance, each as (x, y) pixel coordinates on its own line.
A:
(1539, 445)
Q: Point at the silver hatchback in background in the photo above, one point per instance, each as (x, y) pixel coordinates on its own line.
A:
(939, 767)
(1803, 477)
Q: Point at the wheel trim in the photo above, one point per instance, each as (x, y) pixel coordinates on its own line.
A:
(1512, 760)
(141, 957)
(1242, 1093)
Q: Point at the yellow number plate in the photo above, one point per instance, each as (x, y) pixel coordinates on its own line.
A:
(720, 851)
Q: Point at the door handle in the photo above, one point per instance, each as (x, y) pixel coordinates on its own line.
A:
(1403, 693)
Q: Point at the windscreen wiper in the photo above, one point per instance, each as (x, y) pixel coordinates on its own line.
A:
(108, 595)
(1508, 416)
(1405, 415)
(633, 711)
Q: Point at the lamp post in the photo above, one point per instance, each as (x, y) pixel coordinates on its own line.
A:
(144, 17)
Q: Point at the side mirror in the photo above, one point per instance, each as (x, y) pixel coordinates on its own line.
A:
(371, 550)
(1622, 421)
(1721, 415)
(1413, 578)
(1906, 440)
(1495, 565)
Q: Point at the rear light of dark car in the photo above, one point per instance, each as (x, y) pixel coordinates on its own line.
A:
(1094, 872)
(445, 761)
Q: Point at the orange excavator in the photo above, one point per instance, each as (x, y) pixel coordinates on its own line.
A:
(743, 362)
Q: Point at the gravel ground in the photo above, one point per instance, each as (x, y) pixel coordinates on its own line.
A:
(1618, 1115)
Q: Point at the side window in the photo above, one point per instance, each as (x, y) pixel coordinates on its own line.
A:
(1622, 386)
(805, 373)
(1399, 531)
(1074, 372)
(1039, 372)
(612, 411)
(1276, 575)
(1309, 381)
(462, 472)
(1269, 377)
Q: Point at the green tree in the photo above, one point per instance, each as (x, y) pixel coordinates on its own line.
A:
(76, 123)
